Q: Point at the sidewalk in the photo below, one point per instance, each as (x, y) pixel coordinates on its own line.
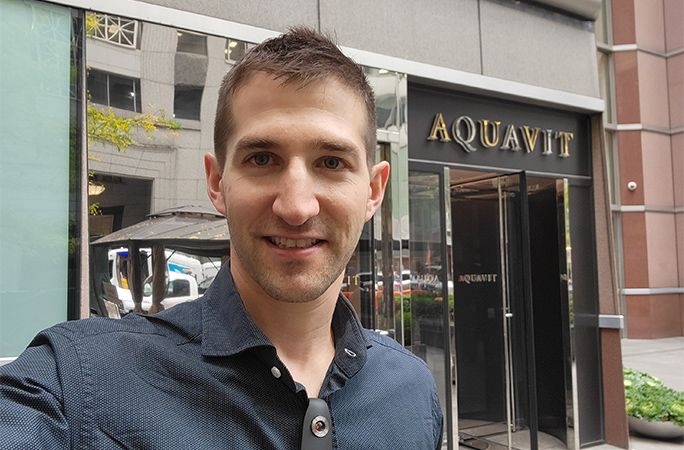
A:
(663, 358)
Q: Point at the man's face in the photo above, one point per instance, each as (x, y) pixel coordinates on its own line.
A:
(296, 188)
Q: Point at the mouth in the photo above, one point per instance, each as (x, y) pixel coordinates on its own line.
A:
(286, 243)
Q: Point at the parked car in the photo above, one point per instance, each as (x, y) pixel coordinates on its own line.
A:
(180, 288)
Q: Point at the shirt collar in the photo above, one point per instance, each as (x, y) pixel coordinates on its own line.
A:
(350, 341)
(227, 328)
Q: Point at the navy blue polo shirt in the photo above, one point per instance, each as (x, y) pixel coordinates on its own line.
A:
(202, 375)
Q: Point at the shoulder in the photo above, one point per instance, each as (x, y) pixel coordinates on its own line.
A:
(182, 319)
(386, 355)
(386, 347)
(76, 332)
(180, 323)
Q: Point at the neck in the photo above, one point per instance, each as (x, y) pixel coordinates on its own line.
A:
(298, 331)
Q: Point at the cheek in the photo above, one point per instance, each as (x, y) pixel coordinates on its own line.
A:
(246, 202)
(349, 208)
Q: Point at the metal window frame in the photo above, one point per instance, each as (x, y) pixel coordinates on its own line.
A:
(105, 22)
(135, 83)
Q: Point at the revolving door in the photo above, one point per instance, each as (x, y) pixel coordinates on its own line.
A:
(502, 274)
(512, 322)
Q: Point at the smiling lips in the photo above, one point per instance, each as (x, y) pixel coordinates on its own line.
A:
(293, 243)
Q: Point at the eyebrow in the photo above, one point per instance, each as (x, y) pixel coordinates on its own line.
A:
(258, 143)
(249, 143)
(335, 146)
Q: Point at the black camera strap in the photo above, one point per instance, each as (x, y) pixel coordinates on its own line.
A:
(316, 432)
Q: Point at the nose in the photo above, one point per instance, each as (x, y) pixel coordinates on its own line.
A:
(297, 197)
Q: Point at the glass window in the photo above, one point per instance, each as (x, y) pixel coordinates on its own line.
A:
(187, 102)
(428, 278)
(235, 50)
(602, 24)
(113, 90)
(97, 87)
(124, 93)
(605, 84)
(191, 43)
(612, 166)
(390, 97)
(39, 184)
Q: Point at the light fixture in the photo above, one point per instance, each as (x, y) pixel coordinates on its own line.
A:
(382, 71)
(232, 44)
(95, 188)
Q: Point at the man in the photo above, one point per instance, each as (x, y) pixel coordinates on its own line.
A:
(293, 172)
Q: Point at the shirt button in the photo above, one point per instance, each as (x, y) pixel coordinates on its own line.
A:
(275, 372)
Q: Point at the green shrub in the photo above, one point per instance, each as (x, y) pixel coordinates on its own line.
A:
(646, 397)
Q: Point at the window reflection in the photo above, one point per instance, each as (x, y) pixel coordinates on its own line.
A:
(186, 277)
(390, 97)
(187, 101)
(113, 29)
(427, 277)
(113, 90)
(359, 284)
(169, 79)
(235, 50)
(191, 43)
(150, 160)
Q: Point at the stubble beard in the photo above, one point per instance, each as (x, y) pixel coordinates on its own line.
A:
(295, 281)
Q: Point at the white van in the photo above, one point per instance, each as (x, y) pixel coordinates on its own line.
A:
(179, 266)
(180, 288)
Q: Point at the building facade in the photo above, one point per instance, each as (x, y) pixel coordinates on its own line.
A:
(493, 257)
(641, 61)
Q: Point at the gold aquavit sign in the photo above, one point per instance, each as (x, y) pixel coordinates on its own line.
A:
(465, 132)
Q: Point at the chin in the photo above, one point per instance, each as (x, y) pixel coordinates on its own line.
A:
(292, 295)
(293, 291)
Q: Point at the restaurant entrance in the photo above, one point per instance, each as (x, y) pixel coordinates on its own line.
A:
(510, 318)
(498, 269)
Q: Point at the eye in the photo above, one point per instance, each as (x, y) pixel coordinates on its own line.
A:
(261, 159)
(332, 163)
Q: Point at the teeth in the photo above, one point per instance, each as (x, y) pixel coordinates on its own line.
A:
(293, 243)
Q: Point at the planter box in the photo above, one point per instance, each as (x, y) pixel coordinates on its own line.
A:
(658, 430)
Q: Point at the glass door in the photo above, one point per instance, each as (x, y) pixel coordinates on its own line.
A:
(429, 287)
(553, 318)
(491, 290)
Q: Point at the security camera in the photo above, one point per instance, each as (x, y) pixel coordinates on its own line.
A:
(632, 186)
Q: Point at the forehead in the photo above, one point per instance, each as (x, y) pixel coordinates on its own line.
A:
(263, 92)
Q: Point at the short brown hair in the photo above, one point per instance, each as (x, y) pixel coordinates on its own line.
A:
(301, 56)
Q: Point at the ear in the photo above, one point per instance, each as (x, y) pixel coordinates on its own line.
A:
(379, 174)
(214, 173)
